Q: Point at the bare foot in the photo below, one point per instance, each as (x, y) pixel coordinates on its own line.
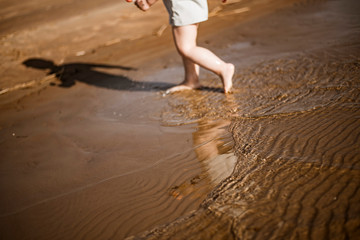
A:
(226, 77)
(182, 87)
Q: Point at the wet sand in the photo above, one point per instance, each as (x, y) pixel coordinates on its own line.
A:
(92, 148)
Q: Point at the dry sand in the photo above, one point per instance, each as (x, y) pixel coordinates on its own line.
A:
(91, 148)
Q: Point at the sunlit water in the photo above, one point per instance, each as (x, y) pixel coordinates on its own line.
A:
(295, 122)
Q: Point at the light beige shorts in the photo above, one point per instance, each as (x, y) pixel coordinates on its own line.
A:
(186, 12)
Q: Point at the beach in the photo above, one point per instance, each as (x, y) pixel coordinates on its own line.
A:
(92, 146)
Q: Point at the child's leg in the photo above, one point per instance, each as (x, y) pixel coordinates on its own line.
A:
(191, 80)
(185, 41)
(192, 71)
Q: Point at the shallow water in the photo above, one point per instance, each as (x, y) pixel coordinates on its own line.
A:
(295, 123)
(296, 126)
(278, 158)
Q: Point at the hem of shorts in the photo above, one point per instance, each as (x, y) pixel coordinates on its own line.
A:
(189, 23)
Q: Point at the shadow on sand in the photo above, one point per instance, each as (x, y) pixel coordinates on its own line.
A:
(88, 73)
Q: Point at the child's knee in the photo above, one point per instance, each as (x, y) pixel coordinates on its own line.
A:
(185, 50)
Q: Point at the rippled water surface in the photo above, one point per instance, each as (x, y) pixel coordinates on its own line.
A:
(296, 127)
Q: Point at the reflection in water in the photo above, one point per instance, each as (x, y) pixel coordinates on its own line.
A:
(214, 149)
(213, 143)
(213, 146)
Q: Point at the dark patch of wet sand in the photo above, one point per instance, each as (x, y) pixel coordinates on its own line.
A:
(98, 161)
